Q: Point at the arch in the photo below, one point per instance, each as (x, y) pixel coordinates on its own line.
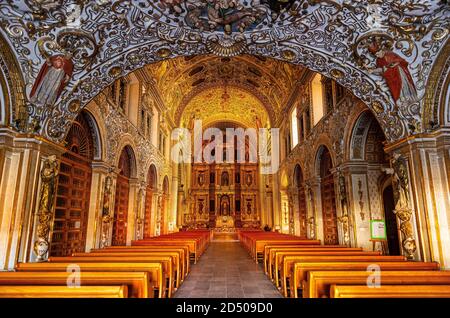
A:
(436, 110)
(310, 44)
(328, 196)
(12, 84)
(97, 122)
(364, 125)
(324, 145)
(73, 190)
(127, 147)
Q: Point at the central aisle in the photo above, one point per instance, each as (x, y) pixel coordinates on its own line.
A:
(226, 270)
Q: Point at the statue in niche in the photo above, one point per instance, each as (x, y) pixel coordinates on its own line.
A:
(49, 175)
(249, 179)
(225, 180)
(225, 206)
(249, 207)
(400, 182)
(200, 207)
(51, 80)
(201, 179)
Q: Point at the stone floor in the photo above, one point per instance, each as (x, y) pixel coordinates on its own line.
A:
(226, 270)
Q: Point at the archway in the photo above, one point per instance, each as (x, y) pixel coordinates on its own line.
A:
(152, 182)
(302, 208)
(73, 191)
(328, 196)
(291, 35)
(391, 221)
(126, 165)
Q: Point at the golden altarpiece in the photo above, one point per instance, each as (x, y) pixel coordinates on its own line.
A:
(224, 196)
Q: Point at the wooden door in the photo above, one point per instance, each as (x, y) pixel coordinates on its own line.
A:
(119, 236)
(73, 191)
(329, 211)
(148, 212)
(119, 232)
(330, 229)
(302, 211)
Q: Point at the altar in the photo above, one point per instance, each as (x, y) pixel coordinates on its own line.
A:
(225, 223)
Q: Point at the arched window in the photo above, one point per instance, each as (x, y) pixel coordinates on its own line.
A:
(317, 99)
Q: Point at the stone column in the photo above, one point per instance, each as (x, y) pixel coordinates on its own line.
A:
(140, 211)
(422, 193)
(293, 194)
(22, 159)
(315, 208)
(100, 203)
(132, 210)
(173, 203)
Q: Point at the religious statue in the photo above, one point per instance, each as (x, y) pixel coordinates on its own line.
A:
(107, 196)
(200, 207)
(106, 217)
(249, 207)
(402, 210)
(344, 219)
(400, 182)
(225, 206)
(51, 80)
(49, 174)
(394, 69)
(249, 179)
(225, 179)
(201, 179)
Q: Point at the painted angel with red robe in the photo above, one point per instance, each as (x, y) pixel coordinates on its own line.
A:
(51, 80)
(394, 69)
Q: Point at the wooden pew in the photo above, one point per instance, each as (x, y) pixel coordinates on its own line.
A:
(178, 265)
(24, 291)
(269, 249)
(183, 250)
(138, 283)
(390, 291)
(301, 269)
(155, 270)
(166, 261)
(258, 246)
(194, 249)
(318, 283)
(275, 255)
(287, 261)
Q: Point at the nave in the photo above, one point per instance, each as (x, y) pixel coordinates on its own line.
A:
(226, 270)
(134, 133)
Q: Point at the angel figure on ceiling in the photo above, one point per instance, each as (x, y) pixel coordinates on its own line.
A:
(394, 70)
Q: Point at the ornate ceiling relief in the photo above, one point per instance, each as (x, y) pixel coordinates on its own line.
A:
(181, 79)
(229, 104)
(382, 51)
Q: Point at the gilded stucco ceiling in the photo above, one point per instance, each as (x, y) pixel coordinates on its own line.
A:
(104, 40)
(229, 104)
(181, 80)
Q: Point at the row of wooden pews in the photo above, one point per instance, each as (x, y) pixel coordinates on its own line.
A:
(302, 268)
(151, 268)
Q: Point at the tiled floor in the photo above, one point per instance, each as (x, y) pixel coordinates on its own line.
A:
(227, 271)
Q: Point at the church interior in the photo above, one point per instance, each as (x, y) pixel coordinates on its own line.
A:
(224, 149)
